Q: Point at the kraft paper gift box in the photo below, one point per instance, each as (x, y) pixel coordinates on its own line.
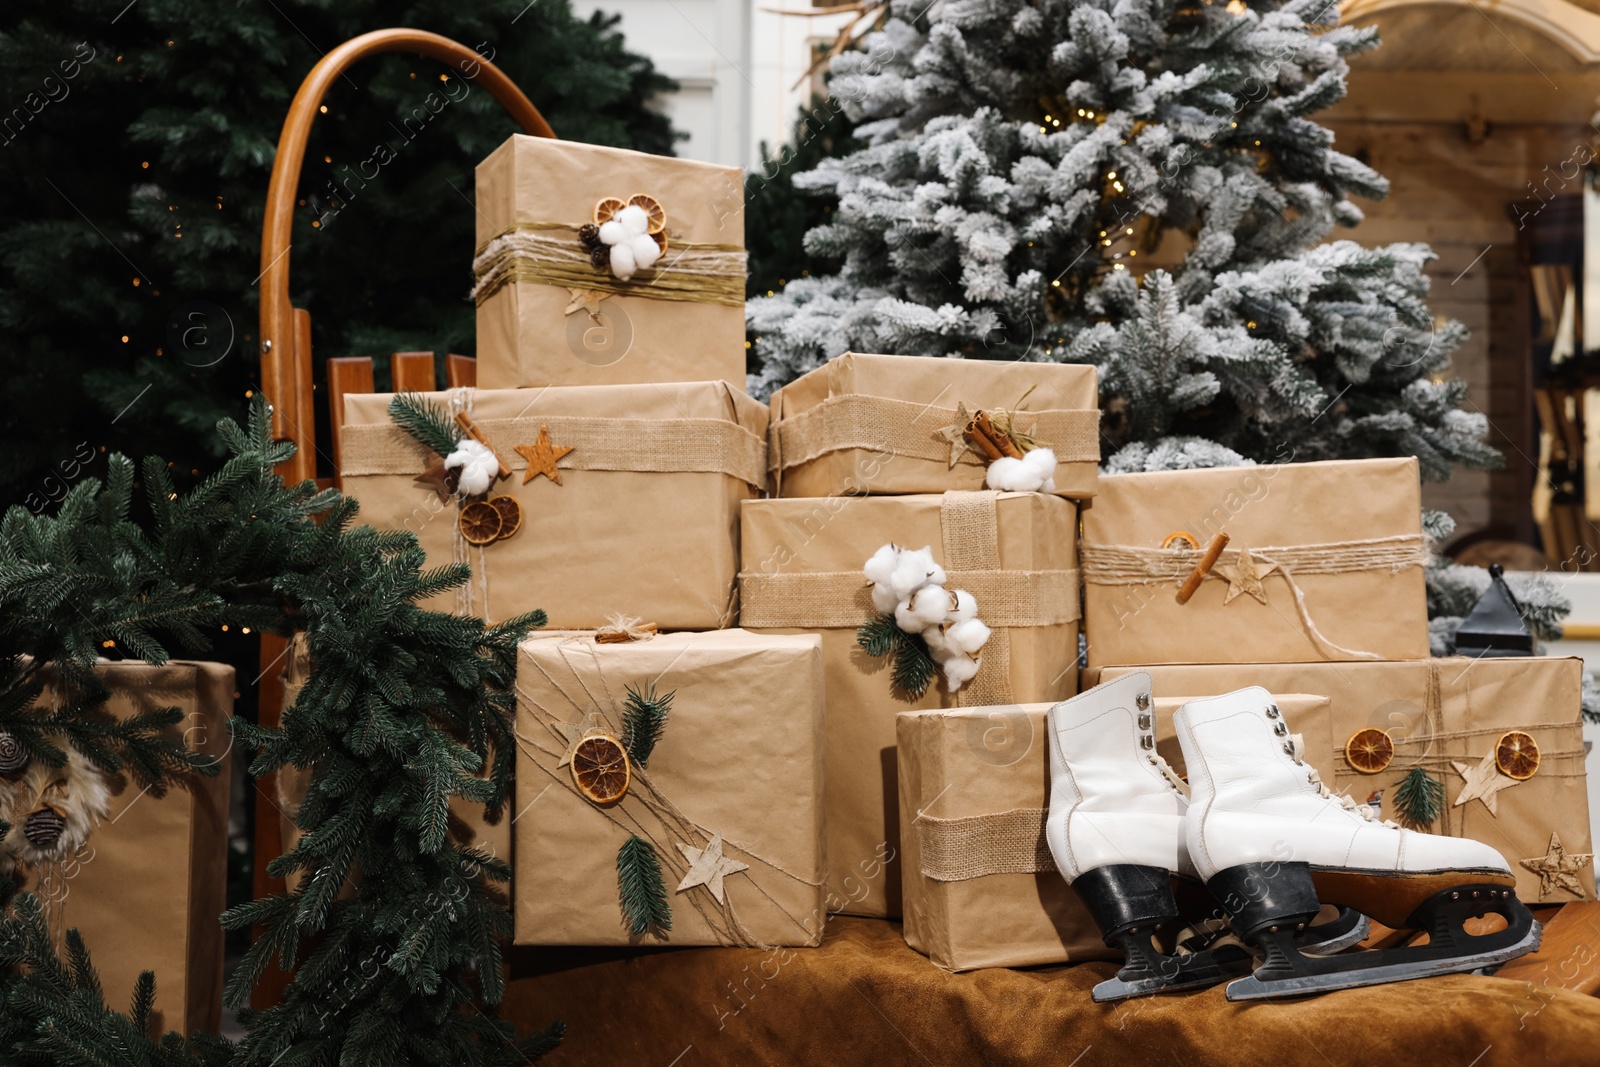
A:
(1324, 562)
(149, 887)
(980, 886)
(890, 424)
(548, 316)
(645, 521)
(1015, 552)
(1448, 718)
(737, 772)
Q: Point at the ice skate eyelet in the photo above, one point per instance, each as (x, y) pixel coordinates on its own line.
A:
(1288, 750)
(1272, 711)
(1280, 729)
(1146, 741)
(1144, 722)
(1143, 700)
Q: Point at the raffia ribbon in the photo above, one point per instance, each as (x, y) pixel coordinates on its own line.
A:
(906, 428)
(832, 600)
(548, 253)
(1004, 842)
(716, 446)
(1138, 565)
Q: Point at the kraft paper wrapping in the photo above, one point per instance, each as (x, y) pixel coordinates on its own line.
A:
(741, 756)
(870, 424)
(801, 546)
(645, 522)
(149, 887)
(547, 188)
(986, 765)
(1346, 534)
(1438, 712)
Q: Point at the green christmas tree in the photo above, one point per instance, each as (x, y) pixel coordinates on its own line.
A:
(133, 171)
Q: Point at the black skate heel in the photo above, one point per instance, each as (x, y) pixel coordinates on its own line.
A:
(1198, 907)
(1131, 904)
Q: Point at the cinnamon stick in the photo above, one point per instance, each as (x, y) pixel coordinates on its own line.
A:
(1203, 568)
(618, 636)
(983, 442)
(470, 428)
(1001, 441)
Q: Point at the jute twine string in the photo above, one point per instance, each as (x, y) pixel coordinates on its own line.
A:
(1116, 565)
(459, 401)
(549, 253)
(645, 811)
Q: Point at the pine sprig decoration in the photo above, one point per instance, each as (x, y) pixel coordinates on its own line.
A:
(914, 667)
(426, 421)
(1418, 798)
(644, 717)
(641, 888)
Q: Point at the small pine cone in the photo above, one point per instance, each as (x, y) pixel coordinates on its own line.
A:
(13, 757)
(589, 236)
(601, 258)
(44, 828)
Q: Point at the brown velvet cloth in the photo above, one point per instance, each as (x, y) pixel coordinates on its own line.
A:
(864, 997)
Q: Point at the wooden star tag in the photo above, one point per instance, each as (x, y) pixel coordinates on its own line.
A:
(542, 456)
(1482, 783)
(585, 300)
(956, 435)
(1245, 577)
(573, 732)
(438, 478)
(1558, 869)
(708, 867)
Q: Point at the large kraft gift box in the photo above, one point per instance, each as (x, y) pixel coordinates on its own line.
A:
(730, 799)
(1015, 552)
(645, 521)
(980, 886)
(548, 316)
(890, 424)
(148, 889)
(1449, 718)
(1324, 562)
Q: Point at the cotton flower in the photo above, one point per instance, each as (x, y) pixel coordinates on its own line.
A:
(477, 464)
(959, 669)
(926, 607)
(968, 636)
(632, 248)
(909, 584)
(1033, 473)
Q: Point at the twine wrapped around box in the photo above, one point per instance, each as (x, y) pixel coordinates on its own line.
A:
(549, 253)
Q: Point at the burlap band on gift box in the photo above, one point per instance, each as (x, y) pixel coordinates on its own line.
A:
(549, 253)
(907, 428)
(969, 522)
(1138, 565)
(716, 446)
(1006, 842)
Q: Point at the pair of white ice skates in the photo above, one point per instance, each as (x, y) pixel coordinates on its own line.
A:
(1271, 845)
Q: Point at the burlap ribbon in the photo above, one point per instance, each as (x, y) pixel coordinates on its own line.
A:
(906, 428)
(549, 253)
(660, 445)
(969, 522)
(1005, 842)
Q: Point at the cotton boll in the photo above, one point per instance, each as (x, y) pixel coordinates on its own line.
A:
(934, 573)
(622, 262)
(967, 636)
(1040, 467)
(477, 464)
(958, 671)
(925, 608)
(914, 569)
(1005, 474)
(880, 568)
(884, 599)
(612, 233)
(1049, 486)
(633, 219)
(645, 250)
(938, 647)
(964, 606)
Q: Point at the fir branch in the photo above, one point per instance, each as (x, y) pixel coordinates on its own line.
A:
(914, 668)
(426, 421)
(640, 886)
(1418, 798)
(643, 719)
(879, 636)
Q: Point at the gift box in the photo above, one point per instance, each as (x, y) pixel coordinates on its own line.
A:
(1323, 561)
(641, 516)
(802, 572)
(894, 424)
(1500, 739)
(148, 887)
(547, 315)
(723, 798)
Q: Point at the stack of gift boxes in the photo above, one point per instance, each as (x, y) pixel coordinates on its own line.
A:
(708, 713)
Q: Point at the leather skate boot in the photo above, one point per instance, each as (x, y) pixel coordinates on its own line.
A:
(1116, 829)
(1274, 845)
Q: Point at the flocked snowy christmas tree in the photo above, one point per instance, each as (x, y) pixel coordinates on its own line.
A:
(1136, 184)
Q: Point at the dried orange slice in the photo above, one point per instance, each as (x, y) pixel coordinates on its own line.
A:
(510, 515)
(661, 241)
(480, 522)
(607, 207)
(652, 207)
(1517, 755)
(1184, 536)
(1369, 750)
(600, 768)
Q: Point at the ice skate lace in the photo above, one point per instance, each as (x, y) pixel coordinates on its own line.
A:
(1297, 750)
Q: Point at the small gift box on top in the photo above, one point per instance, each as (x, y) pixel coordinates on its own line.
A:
(656, 807)
(900, 424)
(1317, 561)
(603, 266)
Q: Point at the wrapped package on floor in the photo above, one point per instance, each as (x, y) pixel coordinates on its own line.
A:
(148, 886)
(1322, 561)
(619, 498)
(574, 288)
(669, 791)
(1488, 748)
(895, 424)
(802, 573)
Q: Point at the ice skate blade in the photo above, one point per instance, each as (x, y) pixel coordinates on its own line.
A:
(1252, 988)
(1336, 935)
(1114, 989)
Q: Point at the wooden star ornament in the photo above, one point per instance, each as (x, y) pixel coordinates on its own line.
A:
(573, 732)
(1482, 783)
(542, 457)
(708, 867)
(438, 478)
(586, 301)
(955, 435)
(1245, 577)
(1558, 869)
